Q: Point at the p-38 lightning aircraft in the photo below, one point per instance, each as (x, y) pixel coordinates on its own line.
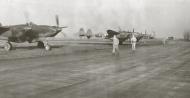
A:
(29, 32)
(123, 35)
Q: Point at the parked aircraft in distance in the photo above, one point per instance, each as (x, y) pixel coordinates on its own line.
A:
(124, 35)
(82, 33)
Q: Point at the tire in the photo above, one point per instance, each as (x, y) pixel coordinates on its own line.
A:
(44, 45)
(8, 46)
(40, 44)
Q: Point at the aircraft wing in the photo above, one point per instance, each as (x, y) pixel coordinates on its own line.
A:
(3, 29)
(111, 33)
(139, 38)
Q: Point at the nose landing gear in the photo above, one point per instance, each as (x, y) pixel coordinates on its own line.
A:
(44, 45)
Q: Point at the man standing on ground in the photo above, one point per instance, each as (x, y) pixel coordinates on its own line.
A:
(133, 42)
(164, 42)
(115, 45)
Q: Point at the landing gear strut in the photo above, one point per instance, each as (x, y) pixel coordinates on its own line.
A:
(8, 46)
(120, 42)
(44, 45)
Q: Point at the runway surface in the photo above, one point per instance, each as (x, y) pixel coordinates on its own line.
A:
(91, 71)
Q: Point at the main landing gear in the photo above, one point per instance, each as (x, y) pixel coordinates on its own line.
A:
(44, 45)
(8, 46)
(120, 42)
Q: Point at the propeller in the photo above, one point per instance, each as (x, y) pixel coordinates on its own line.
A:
(57, 20)
(26, 16)
(28, 23)
(58, 27)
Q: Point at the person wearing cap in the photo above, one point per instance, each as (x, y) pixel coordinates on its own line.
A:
(115, 45)
(164, 42)
(133, 42)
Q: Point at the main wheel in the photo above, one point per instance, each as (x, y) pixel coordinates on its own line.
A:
(40, 44)
(8, 46)
(44, 45)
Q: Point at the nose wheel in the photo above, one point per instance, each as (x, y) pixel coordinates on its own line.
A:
(8, 46)
(44, 45)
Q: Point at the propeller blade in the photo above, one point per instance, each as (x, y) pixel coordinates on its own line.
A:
(57, 20)
(58, 28)
(63, 27)
(27, 19)
(26, 16)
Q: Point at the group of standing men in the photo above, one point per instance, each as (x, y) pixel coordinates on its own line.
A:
(116, 44)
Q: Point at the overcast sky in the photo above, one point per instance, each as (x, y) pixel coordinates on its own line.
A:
(165, 17)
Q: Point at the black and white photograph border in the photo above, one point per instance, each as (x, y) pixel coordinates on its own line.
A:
(94, 49)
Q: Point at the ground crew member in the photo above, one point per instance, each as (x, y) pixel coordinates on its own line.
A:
(115, 45)
(164, 42)
(133, 42)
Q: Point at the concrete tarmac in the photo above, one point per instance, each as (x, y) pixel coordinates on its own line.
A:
(91, 71)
